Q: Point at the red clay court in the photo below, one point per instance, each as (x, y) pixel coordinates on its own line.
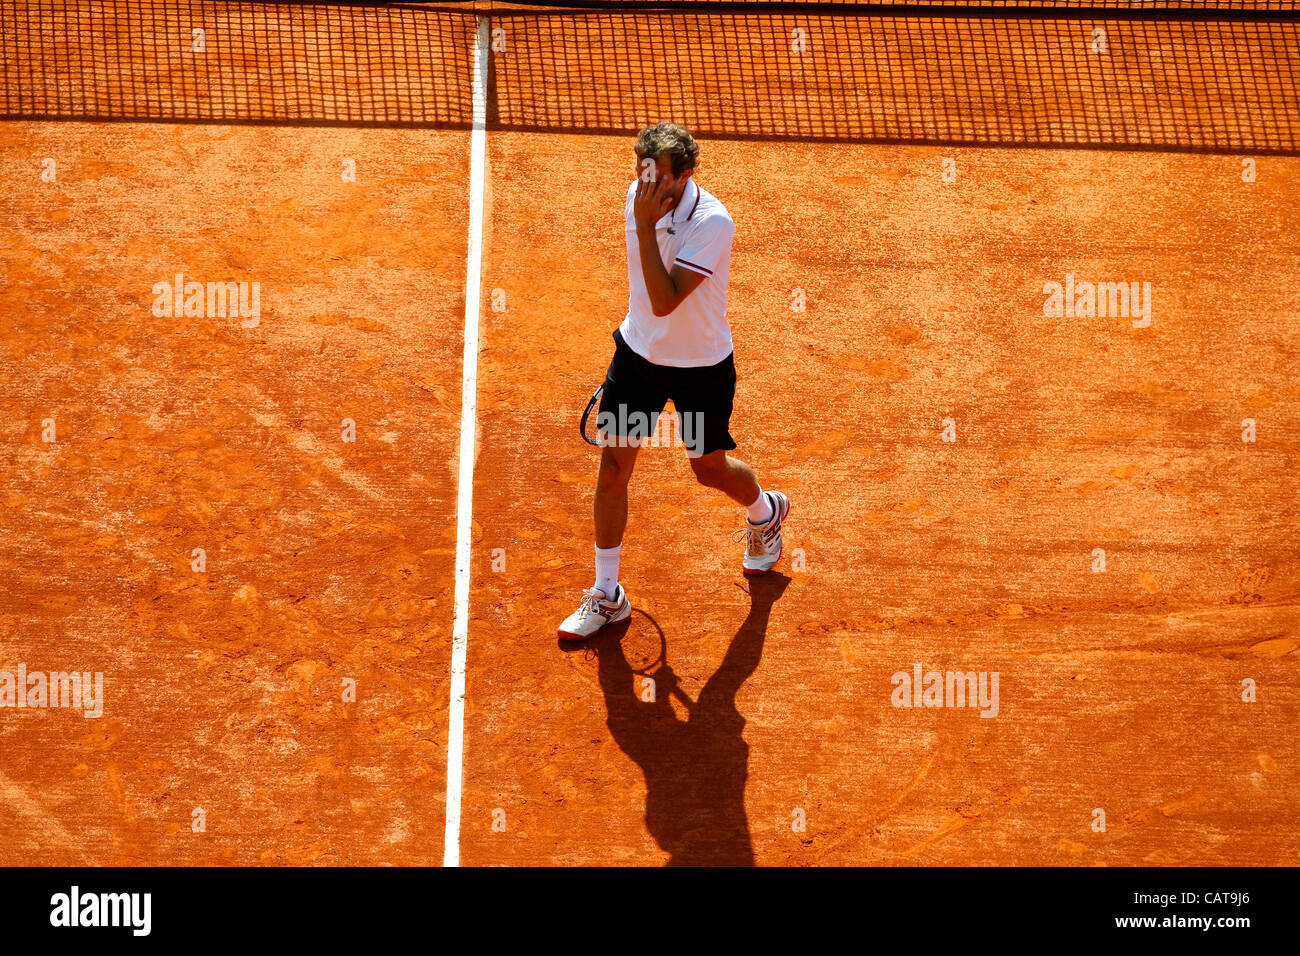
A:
(318, 552)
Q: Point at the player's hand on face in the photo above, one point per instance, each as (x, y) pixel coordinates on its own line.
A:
(653, 199)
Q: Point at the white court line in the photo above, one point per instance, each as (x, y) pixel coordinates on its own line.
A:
(465, 478)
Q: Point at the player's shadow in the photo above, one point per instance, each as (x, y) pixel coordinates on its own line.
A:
(695, 768)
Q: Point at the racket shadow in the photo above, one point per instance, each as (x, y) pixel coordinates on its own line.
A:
(695, 768)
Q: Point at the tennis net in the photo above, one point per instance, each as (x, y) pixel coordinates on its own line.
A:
(1041, 6)
(1207, 75)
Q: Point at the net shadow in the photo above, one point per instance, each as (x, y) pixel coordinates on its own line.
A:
(1181, 77)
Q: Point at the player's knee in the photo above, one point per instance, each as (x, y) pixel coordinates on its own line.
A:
(613, 475)
(711, 474)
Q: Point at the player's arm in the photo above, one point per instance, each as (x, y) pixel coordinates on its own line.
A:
(667, 290)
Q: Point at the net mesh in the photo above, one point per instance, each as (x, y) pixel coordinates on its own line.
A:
(1218, 75)
(1149, 6)
(234, 61)
(1157, 8)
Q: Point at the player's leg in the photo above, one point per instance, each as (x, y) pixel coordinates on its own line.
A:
(605, 601)
(629, 410)
(766, 510)
(704, 398)
(609, 511)
(729, 475)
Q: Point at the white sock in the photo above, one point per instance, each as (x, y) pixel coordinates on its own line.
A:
(607, 570)
(760, 512)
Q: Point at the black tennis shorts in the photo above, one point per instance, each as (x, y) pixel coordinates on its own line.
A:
(636, 391)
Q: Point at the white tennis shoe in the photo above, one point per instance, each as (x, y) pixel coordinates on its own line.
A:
(763, 541)
(593, 613)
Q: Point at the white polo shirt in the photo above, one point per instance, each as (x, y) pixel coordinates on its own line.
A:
(696, 235)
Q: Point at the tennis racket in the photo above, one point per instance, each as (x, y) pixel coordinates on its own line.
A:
(587, 427)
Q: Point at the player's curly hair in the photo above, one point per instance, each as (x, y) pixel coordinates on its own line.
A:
(671, 140)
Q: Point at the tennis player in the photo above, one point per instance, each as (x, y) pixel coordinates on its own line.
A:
(674, 344)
